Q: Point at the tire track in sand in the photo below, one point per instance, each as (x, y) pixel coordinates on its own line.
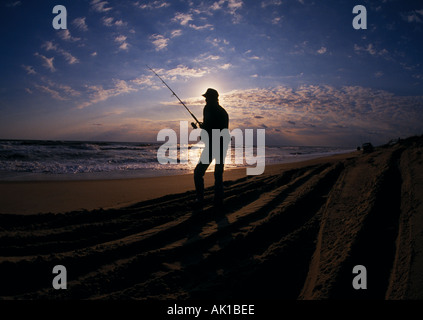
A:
(100, 254)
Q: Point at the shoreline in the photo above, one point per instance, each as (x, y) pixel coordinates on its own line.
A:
(166, 170)
(60, 196)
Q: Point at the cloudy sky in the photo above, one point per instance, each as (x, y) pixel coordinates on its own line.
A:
(297, 68)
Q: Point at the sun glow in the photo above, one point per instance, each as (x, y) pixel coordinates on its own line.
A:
(202, 85)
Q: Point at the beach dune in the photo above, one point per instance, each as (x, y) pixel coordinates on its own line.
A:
(295, 232)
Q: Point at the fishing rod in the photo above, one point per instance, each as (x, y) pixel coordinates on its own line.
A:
(194, 125)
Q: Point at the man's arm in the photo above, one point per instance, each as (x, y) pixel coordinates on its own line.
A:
(206, 119)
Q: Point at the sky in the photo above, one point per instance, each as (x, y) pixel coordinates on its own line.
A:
(297, 68)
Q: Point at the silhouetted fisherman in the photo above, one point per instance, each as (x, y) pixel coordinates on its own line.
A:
(214, 117)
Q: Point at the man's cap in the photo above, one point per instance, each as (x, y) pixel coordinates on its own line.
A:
(211, 93)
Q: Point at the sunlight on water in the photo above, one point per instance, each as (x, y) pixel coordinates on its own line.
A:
(64, 159)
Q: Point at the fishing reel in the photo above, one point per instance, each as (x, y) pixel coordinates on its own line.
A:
(194, 125)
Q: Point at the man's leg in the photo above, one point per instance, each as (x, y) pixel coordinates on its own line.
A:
(199, 172)
(218, 174)
(218, 184)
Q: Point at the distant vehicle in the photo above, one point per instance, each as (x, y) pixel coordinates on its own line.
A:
(394, 142)
(367, 147)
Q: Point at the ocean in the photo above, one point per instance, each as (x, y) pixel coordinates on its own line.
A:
(28, 160)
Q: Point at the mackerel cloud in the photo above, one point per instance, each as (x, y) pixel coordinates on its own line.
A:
(313, 112)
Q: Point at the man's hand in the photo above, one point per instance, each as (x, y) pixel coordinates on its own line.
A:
(200, 124)
(195, 126)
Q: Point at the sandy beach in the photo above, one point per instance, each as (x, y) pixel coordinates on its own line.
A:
(294, 232)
